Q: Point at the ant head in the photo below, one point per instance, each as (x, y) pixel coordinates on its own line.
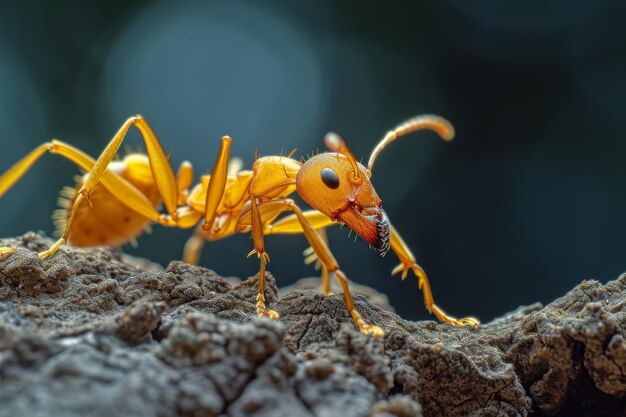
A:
(338, 186)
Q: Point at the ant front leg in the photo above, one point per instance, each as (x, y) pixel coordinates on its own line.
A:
(325, 257)
(407, 262)
(329, 261)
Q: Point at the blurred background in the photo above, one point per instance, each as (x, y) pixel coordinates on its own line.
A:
(526, 202)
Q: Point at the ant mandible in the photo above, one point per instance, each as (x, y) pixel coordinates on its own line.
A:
(117, 199)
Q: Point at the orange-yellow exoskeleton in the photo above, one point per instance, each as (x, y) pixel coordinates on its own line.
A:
(117, 199)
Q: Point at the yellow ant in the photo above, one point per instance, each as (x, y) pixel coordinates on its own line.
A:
(117, 199)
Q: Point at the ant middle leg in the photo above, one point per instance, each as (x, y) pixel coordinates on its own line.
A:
(194, 245)
(264, 258)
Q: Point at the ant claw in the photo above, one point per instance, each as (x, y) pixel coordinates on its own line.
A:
(372, 330)
(272, 314)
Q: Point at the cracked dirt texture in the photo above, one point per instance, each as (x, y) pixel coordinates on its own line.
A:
(89, 332)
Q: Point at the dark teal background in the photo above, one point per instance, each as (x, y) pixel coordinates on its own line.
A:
(526, 202)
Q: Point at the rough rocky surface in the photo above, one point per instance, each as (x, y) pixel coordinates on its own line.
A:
(90, 333)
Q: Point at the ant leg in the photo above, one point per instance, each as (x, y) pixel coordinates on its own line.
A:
(184, 179)
(325, 275)
(323, 253)
(185, 217)
(328, 260)
(17, 171)
(290, 224)
(97, 171)
(126, 192)
(326, 281)
(407, 261)
(217, 183)
(311, 256)
(215, 191)
(159, 164)
(194, 246)
(264, 258)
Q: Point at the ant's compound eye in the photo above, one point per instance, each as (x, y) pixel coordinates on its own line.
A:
(329, 178)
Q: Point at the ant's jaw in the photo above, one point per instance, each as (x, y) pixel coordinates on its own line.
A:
(371, 223)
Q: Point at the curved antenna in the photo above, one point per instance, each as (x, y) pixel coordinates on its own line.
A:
(335, 143)
(424, 122)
